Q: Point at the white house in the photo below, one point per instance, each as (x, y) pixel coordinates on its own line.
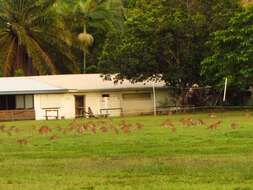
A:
(71, 96)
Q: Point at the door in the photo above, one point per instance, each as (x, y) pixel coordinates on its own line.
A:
(80, 107)
(105, 101)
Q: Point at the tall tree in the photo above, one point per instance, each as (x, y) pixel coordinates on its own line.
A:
(87, 16)
(232, 53)
(32, 35)
(166, 38)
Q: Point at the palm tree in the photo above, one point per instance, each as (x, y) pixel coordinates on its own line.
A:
(89, 14)
(32, 35)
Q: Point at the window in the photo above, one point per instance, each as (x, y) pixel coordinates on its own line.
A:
(29, 102)
(105, 95)
(24, 102)
(137, 96)
(7, 102)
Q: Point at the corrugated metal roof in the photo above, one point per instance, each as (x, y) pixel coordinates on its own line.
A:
(63, 83)
(18, 85)
(92, 82)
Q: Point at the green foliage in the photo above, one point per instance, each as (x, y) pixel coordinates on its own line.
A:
(232, 53)
(32, 36)
(95, 17)
(165, 37)
(129, 3)
(95, 14)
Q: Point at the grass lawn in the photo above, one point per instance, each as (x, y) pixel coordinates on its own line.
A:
(153, 157)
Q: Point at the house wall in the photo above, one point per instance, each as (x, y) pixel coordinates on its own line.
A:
(65, 103)
(12, 115)
(96, 102)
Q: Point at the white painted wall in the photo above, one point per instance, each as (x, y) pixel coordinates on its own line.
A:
(96, 102)
(137, 103)
(66, 102)
(92, 100)
(145, 105)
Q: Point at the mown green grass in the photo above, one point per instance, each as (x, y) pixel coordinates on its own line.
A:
(151, 158)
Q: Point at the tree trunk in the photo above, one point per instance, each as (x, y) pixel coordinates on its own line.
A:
(84, 52)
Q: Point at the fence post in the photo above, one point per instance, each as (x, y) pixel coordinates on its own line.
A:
(154, 99)
(225, 90)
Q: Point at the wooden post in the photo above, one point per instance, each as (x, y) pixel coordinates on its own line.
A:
(225, 90)
(154, 99)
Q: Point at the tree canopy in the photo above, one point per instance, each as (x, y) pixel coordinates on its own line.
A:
(232, 53)
(166, 37)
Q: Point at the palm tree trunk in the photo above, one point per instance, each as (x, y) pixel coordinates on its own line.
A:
(84, 52)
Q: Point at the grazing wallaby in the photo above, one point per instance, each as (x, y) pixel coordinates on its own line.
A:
(184, 121)
(17, 130)
(188, 122)
(9, 131)
(211, 115)
(85, 127)
(104, 129)
(168, 123)
(233, 125)
(191, 122)
(74, 126)
(81, 130)
(12, 128)
(201, 122)
(44, 130)
(94, 129)
(173, 130)
(125, 127)
(22, 142)
(54, 137)
(215, 125)
(2, 128)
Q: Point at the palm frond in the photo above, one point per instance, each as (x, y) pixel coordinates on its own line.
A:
(36, 28)
(11, 52)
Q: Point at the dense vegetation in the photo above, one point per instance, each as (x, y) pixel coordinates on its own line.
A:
(185, 42)
(32, 36)
(153, 156)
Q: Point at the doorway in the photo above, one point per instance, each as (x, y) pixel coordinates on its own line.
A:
(80, 106)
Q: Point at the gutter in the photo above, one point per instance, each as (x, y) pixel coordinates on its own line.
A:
(60, 91)
(113, 89)
(63, 91)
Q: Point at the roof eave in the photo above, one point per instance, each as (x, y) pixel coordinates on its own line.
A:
(114, 89)
(34, 92)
